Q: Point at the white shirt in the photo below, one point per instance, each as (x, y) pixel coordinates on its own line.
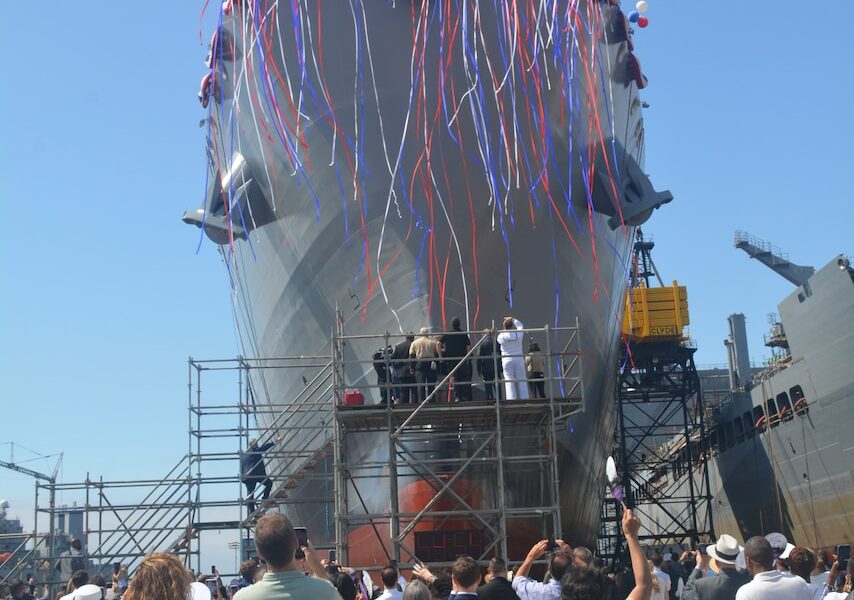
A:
(388, 594)
(774, 585)
(511, 341)
(530, 589)
(817, 591)
(663, 592)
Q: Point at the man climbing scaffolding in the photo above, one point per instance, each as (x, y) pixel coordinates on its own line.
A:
(253, 472)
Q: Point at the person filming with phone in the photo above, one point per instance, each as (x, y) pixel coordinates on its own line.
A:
(836, 590)
(276, 543)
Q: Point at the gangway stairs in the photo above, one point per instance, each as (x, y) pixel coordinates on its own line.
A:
(305, 425)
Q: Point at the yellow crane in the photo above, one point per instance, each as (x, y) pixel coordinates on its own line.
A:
(653, 314)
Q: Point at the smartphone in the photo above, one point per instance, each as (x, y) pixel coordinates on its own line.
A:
(552, 545)
(703, 549)
(843, 553)
(116, 568)
(332, 556)
(302, 537)
(212, 586)
(213, 570)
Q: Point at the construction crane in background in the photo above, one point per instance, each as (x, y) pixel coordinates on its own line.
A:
(34, 474)
(51, 485)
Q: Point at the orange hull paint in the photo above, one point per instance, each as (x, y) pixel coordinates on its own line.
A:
(370, 546)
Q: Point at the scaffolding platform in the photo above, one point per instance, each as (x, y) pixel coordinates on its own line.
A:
(477, 413)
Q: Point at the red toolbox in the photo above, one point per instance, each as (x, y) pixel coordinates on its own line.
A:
(354, 398)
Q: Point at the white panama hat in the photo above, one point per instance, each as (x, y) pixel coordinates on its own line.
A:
(725, 550)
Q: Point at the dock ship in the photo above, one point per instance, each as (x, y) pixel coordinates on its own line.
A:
(386, 166)
(779, 442)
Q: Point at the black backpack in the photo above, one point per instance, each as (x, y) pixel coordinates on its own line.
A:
(78, 563)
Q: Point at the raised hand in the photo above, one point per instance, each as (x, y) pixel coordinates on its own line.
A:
(423, 573)
(631, 524)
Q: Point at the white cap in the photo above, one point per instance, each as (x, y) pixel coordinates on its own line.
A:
(87, 592)
(779, 544)
(199, 591)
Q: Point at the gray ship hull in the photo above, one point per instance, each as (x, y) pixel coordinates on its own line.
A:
(792, 472)
(351, 180)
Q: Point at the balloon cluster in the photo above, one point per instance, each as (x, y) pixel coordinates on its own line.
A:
(637, 16)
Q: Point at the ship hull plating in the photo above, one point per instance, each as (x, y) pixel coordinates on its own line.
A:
(402, 194)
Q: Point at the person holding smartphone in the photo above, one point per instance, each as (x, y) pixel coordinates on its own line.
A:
(724, 584)
(120, 579)
(276, 543)
(842, 564)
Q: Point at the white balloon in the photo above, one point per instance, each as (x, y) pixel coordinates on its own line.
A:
(642, 6)
(611, 470)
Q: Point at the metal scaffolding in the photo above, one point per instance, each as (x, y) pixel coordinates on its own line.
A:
(468, 455)
(660, 447)
(124, 520)
(220, 431)
(467, 460)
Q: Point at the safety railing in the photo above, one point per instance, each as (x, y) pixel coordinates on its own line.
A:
(742, 237)
(457, 366)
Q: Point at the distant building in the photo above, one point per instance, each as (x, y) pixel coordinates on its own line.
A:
(69, 521)
(10, 540)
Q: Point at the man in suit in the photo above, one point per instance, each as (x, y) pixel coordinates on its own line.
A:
(465, 575)
(499, 587)
(729, 579)
(253, 472)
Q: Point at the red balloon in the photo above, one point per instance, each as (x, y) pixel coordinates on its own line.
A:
(643, 21)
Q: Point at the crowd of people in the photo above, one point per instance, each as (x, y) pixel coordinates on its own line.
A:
(78, 584)
(765, 568)
(409, 371)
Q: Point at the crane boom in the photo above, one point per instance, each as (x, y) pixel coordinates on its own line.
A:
(773, 258)
(26, 471)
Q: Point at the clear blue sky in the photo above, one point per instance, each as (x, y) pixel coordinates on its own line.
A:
(104, 298)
